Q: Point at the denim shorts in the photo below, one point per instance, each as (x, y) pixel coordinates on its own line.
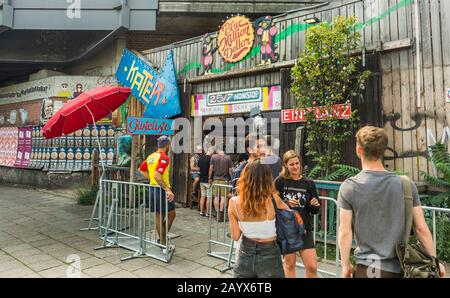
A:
(258, 260)
(195, 175)
(158, 201)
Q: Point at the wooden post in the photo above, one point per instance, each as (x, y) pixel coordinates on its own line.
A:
(181, 161)
(94, 169)
(286, 129)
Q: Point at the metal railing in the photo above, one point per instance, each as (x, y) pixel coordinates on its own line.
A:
(109, 173)
(326, 234)
(131, 216)
(117, 173)
(220, 244)
(442, 214)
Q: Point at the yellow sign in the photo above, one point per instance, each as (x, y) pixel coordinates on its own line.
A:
(235, 38)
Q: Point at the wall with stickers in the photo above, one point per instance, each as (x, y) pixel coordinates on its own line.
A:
(388, 29)
(26, 147)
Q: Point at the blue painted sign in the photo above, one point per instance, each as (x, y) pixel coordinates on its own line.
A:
(148, 126)
(157, 91)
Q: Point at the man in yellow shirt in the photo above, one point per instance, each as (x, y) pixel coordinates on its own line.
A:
(156, 168)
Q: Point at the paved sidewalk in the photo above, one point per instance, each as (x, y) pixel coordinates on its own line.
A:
(40, 237)
(39, 234)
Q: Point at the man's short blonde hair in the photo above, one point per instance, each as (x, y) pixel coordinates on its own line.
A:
(373, 140)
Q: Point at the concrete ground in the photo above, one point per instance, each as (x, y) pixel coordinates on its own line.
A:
(40, 237)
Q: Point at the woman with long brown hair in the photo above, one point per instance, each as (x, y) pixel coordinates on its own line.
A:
(252, 217)
(301, 195)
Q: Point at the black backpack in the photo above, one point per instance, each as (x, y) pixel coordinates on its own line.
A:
(289, 231)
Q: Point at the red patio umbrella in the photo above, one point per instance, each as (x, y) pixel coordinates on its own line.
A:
(87, 108)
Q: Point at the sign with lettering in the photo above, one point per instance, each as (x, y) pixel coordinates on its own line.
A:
(59, 86)
(341, 111)
(234, 97)
(235, 38)
(148, 126)
(237, 101)
(157, 91)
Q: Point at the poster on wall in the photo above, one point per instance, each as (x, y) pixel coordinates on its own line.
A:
(54, 159)
(87, 159)
(23, 147)
(124, 151)
(70, 159)
(8, 146)
(237, 101)
(78, 164)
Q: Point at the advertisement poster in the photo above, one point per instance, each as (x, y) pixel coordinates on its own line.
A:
(46, 155)
(62, 159)
(23, 147)
(8, 146)
(78, 164)
(124, 151)
(70, 159)
(54, 159)
(87, 159)
(27, 148)
(110, 156)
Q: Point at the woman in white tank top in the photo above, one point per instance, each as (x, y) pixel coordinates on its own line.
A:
(252, 217)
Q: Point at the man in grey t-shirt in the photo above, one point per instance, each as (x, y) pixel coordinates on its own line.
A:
(372, 206)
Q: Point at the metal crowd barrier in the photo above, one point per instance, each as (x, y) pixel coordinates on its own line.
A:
(327, 234)
(127, 219)
(117, 173)
(443, 215)
(221, 246)
(220, 243)
(109, 173)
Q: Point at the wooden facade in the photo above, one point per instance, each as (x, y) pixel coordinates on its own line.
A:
(389, 38)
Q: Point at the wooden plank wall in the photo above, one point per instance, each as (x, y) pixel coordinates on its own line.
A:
(381, 21)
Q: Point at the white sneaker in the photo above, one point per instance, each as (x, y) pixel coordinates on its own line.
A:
(171, 247)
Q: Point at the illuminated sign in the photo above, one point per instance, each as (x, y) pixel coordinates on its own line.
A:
(235, 38)
(341, 111)
(157, 91)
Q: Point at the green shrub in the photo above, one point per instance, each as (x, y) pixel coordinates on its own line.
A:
(86, 196)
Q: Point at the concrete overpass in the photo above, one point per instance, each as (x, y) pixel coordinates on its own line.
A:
(55, 34)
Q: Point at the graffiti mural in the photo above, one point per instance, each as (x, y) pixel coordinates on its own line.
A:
(266, 32)
(46, 110)
(208, 50)
(418, 118)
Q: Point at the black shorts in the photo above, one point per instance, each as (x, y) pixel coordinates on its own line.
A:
(308, 240)
(158, 201)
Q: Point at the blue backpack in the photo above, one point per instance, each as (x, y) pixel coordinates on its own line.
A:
(289, 231)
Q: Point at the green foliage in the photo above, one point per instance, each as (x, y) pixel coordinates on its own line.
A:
(326, 75)
(441, 160)
(340, 172)
(86, 196)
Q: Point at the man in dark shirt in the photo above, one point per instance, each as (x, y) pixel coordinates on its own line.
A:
(205, 187)
(255, 146)
(271, 159)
